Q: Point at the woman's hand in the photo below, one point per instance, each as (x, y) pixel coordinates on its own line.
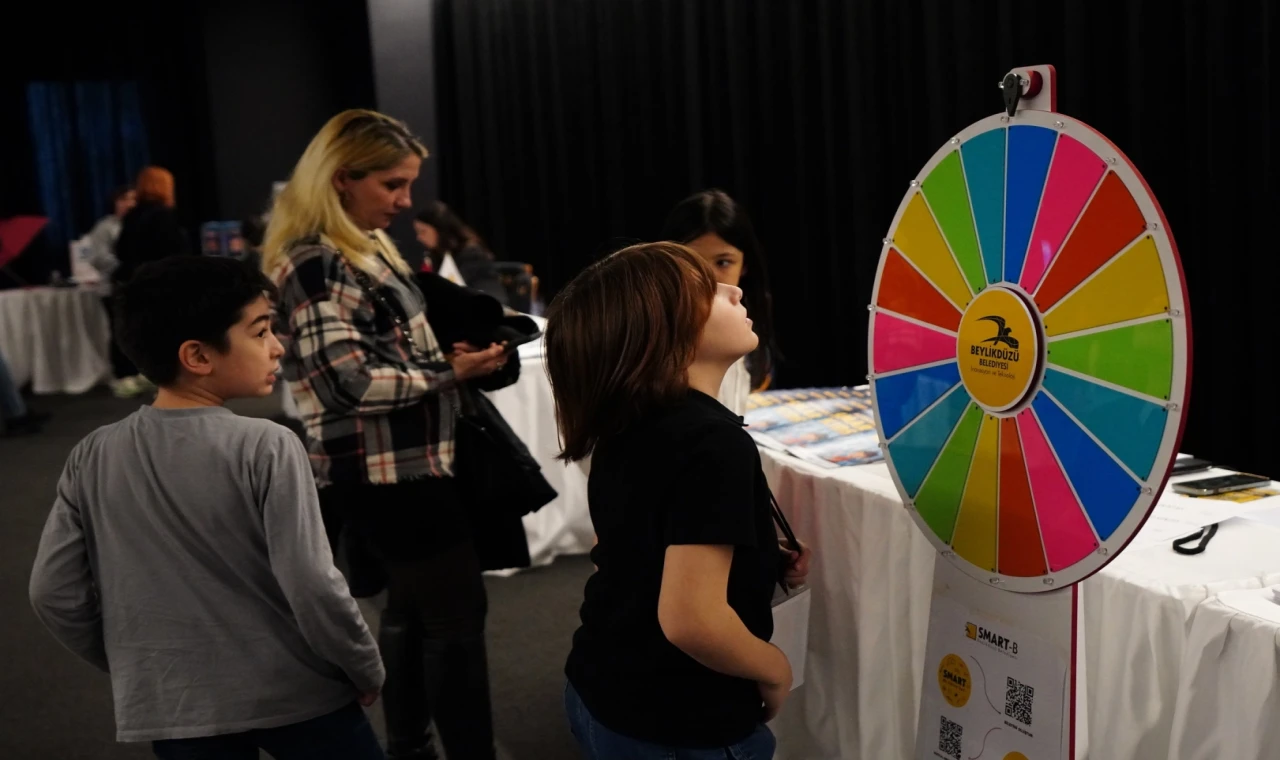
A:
(477, 363)
(797, 563)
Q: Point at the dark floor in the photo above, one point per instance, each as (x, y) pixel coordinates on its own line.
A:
(54, 706)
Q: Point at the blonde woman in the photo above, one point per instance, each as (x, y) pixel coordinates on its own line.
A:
(378, 396)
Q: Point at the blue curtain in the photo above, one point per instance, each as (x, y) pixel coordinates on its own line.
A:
(89, 138)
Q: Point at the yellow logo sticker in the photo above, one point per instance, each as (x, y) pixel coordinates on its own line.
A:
(998, 349)
(1015, 756)
(954, 680)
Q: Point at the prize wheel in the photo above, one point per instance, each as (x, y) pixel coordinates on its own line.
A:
(1029, 350)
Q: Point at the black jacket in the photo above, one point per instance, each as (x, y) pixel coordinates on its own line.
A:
(149, 232)
(459, 314)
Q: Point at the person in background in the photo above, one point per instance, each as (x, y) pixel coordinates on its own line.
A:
(103, 236)
(379, 399)
(252, 231)
(672, 659)
(449, 239)
(185, 553)
(718, 229)
(17, 419)
(102, 257)
(150, 231)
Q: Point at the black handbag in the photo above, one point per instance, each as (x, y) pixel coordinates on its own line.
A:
(494, 465)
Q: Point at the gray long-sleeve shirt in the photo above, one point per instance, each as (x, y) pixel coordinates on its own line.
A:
(185, 555)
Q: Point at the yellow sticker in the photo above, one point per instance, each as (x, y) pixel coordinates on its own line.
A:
(1015, 756)
(998, 348)
(954, 680)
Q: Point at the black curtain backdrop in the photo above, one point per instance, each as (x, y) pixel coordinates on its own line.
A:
(154, 44)
(231, 92)
(571, 126)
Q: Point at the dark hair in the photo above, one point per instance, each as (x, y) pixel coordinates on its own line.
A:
(455, 234)
(119, 193)
(252, 230)
(620, 338)
(182, 298)
(714, 212)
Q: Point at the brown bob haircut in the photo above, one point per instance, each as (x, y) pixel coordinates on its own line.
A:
(620, 338)
(155, 184)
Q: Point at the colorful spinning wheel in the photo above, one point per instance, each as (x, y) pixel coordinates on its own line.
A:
(1029, 349)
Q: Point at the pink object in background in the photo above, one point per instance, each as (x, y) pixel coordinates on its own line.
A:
(1067, 535)
(1073, 176)
(900, 344)
(16, 233)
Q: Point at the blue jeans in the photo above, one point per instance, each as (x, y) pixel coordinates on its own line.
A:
(599, 743)
(342, 735)
(11, 405)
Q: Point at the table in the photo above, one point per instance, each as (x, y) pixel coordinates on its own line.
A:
(872, 577)
(871, 580)
(1228, 693)
(1137, 612)
(56, 339)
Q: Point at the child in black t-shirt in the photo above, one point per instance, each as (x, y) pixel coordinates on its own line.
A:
(672, 658)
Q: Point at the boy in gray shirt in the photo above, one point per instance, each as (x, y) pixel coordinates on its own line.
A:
(185, 553)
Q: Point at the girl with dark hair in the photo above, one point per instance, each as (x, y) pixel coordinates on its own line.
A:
(717, 228)
(444, 234)
(672, 659)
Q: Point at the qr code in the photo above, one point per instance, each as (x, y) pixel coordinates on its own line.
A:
(950, 737)
(1017, 701)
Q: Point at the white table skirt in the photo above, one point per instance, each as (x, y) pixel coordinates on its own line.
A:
(1137, 612)
(57, 339)
(872, 582)
(1229, 693)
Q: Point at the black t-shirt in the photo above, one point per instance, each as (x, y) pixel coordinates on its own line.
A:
(686, 475)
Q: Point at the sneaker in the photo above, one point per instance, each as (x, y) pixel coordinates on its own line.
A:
(128, 387)
(28, 424)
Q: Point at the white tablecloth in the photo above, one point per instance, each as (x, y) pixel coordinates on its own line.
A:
(1137, 612)
(1229, 692)
(872, 584)
(57, 339)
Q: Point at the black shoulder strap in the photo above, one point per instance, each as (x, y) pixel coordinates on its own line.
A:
(1185, 545)
(783, 525)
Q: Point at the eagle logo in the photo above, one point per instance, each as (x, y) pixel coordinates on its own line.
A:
(1002, 333)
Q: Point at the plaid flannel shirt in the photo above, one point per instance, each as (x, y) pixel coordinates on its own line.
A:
(374, 411)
